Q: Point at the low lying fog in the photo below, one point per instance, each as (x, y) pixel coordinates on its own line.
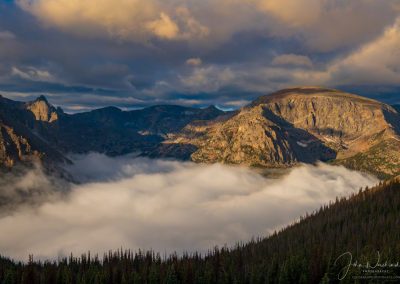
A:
(163, 205)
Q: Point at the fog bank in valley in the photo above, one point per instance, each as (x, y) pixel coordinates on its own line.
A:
(164, 205)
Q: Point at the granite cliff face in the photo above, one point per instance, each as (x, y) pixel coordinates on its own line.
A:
(42, 110)
(19, 139)
(13, 147)
(300, 125)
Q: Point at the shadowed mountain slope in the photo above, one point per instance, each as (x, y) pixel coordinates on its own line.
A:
(38, 131)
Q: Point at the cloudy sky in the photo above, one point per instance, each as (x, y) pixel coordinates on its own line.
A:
(134, 53)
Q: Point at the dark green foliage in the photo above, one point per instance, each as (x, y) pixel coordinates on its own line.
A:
(305, 252)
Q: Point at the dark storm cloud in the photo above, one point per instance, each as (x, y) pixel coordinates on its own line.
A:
(389, 94)
(139, 56)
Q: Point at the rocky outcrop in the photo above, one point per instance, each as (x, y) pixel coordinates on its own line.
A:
(14, 148)
(19, 141)
(347, 123)
(300, 125)
(42, 110)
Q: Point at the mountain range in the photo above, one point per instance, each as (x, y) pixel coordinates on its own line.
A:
(279, 130)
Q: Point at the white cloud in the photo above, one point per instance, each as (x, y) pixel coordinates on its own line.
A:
(6, 35)
(23, 186)
(33, 74)
(376, 62)
(329, 24)
(235, 104)
(207, 79)
(354, 30)
(194, 61)
(164, 27)
(292, 60)
(124, 20)
(168, 206)
(295, 13)
(248, 77)
(191, 27)
(324, 25)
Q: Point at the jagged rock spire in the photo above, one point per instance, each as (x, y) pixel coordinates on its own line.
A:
(42, 110)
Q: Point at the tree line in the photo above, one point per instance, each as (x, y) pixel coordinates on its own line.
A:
(316, 249)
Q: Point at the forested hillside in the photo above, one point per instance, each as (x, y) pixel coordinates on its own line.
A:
(365, 225)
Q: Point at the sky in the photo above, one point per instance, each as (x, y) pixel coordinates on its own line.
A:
(133, 53)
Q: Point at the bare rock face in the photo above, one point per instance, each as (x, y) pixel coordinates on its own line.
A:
(13, 147)
(42, 110)
(19, 142)
(346, 122)
(247, 138)
(301, 125)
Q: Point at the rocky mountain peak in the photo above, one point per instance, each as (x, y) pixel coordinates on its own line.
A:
(211, 107)
(42, 110)
(291, 126)
(303, 124)
(41, 98)
(311, 92)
